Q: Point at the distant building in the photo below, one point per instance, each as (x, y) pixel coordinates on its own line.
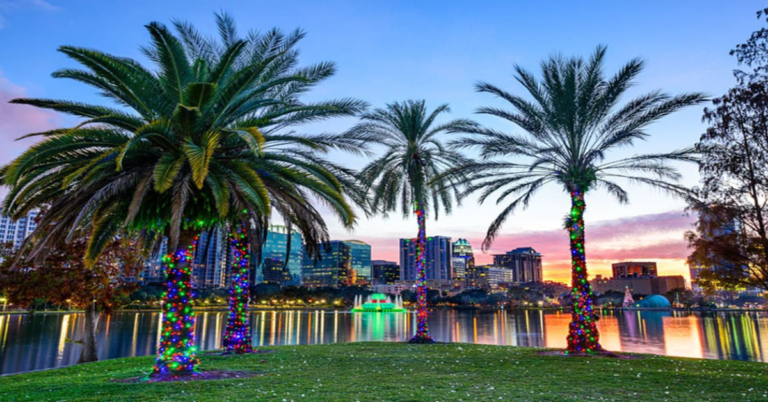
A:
(524, 262)
(489, 277)
(695, 271)
(639, 285)
(474, 277)
(273, 267)
(385, 272)
(16, 231)
(438, 258)
(341, 263)
(154, 272)
(462, 259)
(210, 268)
(634, 269)
(393, 289)
(663, 284)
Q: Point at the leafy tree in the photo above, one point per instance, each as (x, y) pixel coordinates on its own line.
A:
(409, 174)
(571, 122)
(291, 167)
(64, 279)
(182, 154)
(408, 296)
(730, 241)
(680, 295)
(753, 54)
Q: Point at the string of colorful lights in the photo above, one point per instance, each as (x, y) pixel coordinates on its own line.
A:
(237, 336)
(176, 352)
(422, 331)
(583, 336)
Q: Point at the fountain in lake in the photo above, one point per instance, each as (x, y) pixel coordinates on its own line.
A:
(378, 302)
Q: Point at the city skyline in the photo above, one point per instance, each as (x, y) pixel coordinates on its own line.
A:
(356, 38)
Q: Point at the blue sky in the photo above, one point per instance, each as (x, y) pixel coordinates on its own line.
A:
(435, 50)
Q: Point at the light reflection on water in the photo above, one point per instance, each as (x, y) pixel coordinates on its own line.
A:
(32, 342)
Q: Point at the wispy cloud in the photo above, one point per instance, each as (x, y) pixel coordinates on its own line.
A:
(9, 6)
(18, 120)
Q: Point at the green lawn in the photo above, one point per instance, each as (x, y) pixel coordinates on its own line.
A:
(402, 372)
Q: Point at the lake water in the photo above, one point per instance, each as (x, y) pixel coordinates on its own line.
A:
(39, 341)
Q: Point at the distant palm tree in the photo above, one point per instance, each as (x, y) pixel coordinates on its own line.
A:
(186, 157)
(408, 176)
(571, 122)
(291, 165)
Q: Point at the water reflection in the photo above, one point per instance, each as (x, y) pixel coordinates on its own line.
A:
(31, 342)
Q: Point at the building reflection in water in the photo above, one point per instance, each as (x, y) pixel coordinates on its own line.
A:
(38, 341)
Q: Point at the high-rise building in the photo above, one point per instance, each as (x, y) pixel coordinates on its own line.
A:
(524, 262)
(634, 269)
(16, 231)
(462, 259)
(340, 263)
(438, 258)
(210, 268)
(695, 271)
(384, 272)
(489, 277)
(153, 268)
(278, 264)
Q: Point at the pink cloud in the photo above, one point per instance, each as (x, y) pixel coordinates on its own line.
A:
(18, 120)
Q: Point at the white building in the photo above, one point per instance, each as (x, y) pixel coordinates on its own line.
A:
(391, 289)
(16, 232)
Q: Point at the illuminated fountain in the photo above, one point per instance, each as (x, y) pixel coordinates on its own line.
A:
(378, 302)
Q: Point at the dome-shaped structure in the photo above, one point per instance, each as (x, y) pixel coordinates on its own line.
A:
(653, 301)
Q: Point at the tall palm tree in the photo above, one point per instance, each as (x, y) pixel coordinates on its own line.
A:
(180, 160)
(409, 174)
(290, 165)
(572, 120)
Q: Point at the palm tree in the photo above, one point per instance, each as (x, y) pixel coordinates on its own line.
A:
(571, 122)
(180, 160)
(290, 165)
(408, 176)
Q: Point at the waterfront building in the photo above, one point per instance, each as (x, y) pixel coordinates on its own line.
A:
(490, 277)
(524, 262)
(384, 272)
(634, 269)
(639, 285)
(462, 259)
(210, 268)
(16, 231)
(438, 258)
(393, 289)
(340, 263)
(153, 267)
(279, 264)
(695, 271)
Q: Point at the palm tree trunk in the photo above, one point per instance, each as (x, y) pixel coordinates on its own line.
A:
(89, 334)
(176, 352)
(583, 336)
(237, 336)
(422, 331)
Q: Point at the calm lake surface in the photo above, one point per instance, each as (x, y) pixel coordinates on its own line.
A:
(39, 341)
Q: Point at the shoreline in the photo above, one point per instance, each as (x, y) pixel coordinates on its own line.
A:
(458, 308)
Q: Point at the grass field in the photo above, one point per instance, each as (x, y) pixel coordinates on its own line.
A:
(402, 372)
